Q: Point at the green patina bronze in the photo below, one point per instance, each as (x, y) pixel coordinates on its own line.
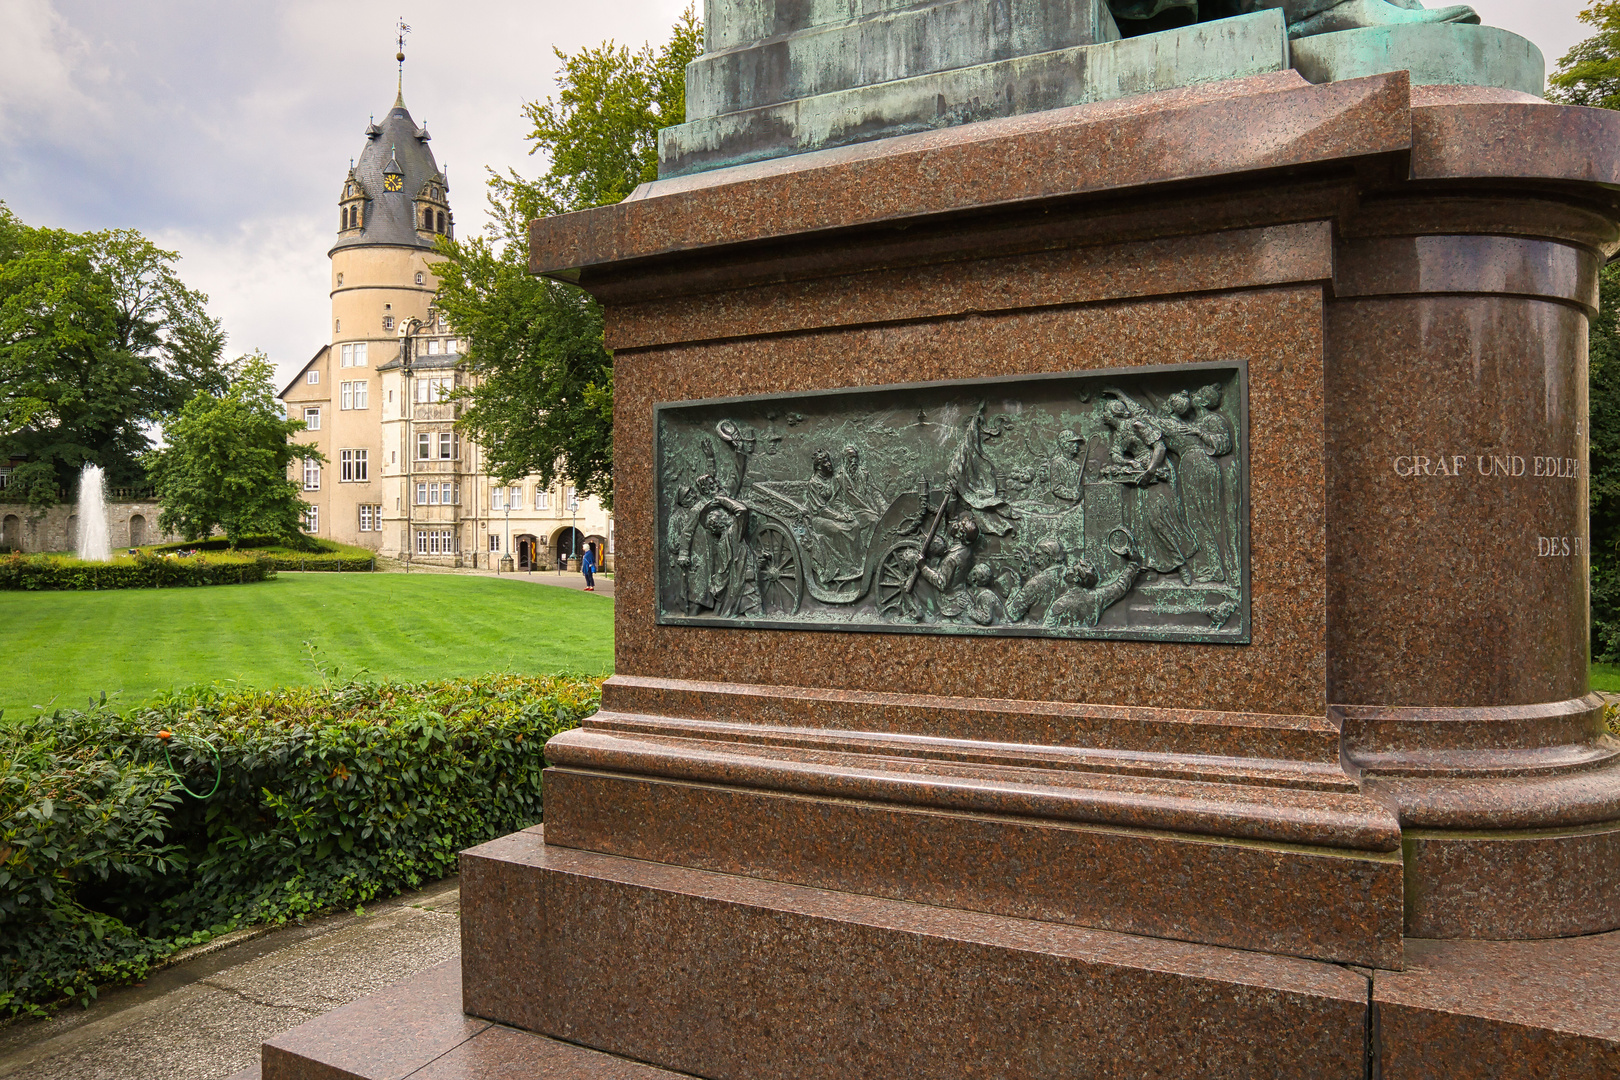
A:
(1106, 505)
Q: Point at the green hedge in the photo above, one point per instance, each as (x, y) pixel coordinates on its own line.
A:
(327, 796)
(143, 571)
(311, 555)
(331, 562)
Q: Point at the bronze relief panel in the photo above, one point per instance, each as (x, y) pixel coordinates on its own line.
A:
(1106, 505)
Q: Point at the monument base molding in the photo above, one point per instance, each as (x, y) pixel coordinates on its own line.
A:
(1055, 1001)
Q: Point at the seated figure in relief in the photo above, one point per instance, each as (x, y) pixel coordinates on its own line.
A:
(1305, 17)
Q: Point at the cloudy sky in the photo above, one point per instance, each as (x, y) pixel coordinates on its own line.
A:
(222, 128)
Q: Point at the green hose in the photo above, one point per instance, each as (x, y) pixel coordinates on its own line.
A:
(219, 771)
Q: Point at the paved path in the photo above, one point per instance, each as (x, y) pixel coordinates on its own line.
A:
(204, 1019)
(572, 579)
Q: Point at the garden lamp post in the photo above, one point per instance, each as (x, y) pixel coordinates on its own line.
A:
(506, 555)
(408, 328)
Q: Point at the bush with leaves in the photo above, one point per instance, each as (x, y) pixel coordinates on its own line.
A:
(327, 796)
(44, 573)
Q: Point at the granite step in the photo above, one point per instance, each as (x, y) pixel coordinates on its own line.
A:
(416, 1030)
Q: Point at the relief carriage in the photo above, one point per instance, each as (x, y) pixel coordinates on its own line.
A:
(1105, 505)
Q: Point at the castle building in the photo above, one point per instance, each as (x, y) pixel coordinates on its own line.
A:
(398, 478)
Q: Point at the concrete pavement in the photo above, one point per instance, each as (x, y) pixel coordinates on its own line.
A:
(204, 1018)
(571, 579)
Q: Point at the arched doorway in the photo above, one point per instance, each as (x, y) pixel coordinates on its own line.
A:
(137, 530)
(523, 547)
(570, 542)
(11, 533)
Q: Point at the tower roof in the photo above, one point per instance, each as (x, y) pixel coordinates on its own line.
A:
(390, 216)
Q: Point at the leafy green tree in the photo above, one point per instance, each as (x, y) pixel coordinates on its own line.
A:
(1604, 469)
(99, 340)
(1589, 74)
(542, 399)
(226, 462)
(600, 133)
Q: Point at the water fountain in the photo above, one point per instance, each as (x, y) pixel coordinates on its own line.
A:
(94, 540)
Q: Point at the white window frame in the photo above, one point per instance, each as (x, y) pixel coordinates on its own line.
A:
(497, 498)
(312, 518)
(355, 466)
(421, 493)
(516, 495)
(433, 493)
(542, 498)
(421, 541)
(573, 501)
(346, 356)
(424, 446)
(494, 541)
(365, 517)
(313, 378)
(312, 476)
(362, 394)
(345, 395)
(446, 446)
(312, 419)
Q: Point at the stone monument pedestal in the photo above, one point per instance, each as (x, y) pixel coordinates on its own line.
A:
(1376, 833)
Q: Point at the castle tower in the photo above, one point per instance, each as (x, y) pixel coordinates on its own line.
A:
(398, 478)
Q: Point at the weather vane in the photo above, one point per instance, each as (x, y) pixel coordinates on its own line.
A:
(400, 56)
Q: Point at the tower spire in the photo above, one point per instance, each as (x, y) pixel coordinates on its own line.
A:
(402, 29)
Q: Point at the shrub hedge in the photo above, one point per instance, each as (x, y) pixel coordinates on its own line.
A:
(325, 561)
(308, 554)
(327, 796)
(143, 571)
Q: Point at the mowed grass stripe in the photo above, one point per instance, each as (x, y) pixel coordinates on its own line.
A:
(73, 645)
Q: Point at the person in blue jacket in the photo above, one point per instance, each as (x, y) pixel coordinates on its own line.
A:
(587, 566)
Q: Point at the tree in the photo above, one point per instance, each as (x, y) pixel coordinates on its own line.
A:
(1604, 469)
(1589, 74)
(542, 399)
(99, 339)
(226, 460)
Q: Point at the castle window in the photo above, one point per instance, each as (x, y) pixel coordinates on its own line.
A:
(337, 326)
(343, 220)
(427, 220)
(441, 221)
(312, 519)
(340, 279)
(388, 322)
(312, 419)
(419, 277)
(314, 377)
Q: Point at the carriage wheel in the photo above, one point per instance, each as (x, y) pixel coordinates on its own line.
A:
(894, 600)
(781, 581)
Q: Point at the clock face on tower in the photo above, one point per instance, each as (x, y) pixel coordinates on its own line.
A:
(393, 182)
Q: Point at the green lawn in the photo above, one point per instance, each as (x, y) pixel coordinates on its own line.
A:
(70, 645)
(1606, 677)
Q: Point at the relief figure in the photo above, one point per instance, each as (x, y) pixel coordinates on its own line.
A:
(1195, 437)
(985, 606)
(1061, 476)
(1140, 462)
(1032, 598)
(728, 567)
(1085, 600)
(949, 572)
(839, 530)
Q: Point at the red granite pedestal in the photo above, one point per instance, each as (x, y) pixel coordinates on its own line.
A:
(1369, 839)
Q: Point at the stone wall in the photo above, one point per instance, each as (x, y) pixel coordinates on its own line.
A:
(25, 528)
